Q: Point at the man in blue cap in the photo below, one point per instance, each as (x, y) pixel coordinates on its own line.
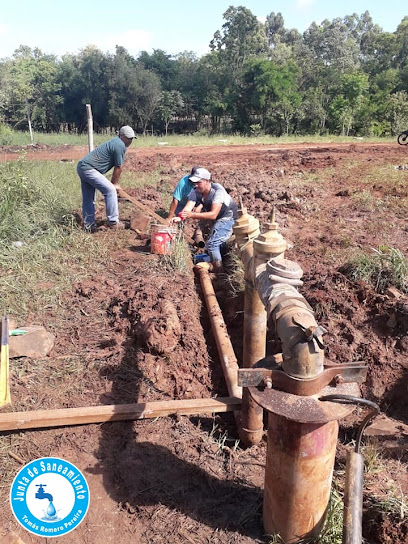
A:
(91, 170)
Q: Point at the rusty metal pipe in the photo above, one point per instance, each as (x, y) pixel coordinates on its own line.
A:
(299, 467)
(198, 238)
(353, 499)
(301, 359)
(254, 349)
(219, 329)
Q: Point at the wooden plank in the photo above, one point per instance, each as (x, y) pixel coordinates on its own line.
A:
(148, 211)
(142, 207)
(117, 412)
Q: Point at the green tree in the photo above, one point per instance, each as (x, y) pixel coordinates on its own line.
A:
(34, 83)
(346, 104)
(123, 88)
(268, 90)
(398, 112)
(147, 96)
(170, 104)
(241, 37)
(161, 64)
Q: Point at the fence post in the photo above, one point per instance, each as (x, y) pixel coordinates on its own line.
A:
(90, 127)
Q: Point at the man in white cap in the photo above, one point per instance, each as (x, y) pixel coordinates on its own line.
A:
(180, 194)
(217, 206)
(91, 170)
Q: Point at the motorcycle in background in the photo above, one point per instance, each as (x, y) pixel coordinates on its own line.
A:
(403, 138)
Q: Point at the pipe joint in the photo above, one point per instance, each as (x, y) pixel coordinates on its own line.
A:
(246, 227)
(271, 243)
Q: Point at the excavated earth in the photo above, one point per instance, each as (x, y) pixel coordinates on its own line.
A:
(139, 331)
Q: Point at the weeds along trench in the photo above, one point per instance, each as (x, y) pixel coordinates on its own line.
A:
(131, 326)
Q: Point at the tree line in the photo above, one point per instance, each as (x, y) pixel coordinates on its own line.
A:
(346, 76)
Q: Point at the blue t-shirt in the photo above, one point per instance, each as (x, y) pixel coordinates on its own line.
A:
(105, 156)
(181, 192)
(217, 195)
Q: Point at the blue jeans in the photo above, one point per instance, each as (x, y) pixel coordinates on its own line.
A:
(91, 180)
(221, 231)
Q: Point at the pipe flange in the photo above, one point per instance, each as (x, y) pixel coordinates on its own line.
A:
(284, 268)
(306, 409)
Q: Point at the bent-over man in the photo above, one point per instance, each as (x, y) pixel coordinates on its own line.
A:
(91, 170)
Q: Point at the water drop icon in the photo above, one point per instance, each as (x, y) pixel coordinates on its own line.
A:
(51, 510)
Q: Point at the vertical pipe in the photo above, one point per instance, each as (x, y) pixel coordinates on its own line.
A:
(353, 499)
(254, 349)
(299, 467)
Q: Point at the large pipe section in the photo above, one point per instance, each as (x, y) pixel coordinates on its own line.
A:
(300, 460)
(246, 228)
(302, 431)
(224, 346)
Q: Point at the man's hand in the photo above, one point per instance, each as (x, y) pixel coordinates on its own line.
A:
(186, 215)
(117, 187)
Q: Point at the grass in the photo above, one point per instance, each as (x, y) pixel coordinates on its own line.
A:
(393, 504)
(43, 251)
(62, 138)
(236, 273)
(385, 266)
(364, 201)
(180, 258)
(220, 438)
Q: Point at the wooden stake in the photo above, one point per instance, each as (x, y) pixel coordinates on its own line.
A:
(90, 127)
(118, 412)
(29, 122)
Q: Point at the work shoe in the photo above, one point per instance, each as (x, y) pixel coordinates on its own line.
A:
(116, 225)
(206, 266)
(91, 228)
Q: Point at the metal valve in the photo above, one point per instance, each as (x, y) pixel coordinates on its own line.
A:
(312, 333)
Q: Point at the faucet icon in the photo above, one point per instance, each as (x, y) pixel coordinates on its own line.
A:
(41, 495)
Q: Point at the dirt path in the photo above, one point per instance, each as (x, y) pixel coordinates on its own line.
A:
(180, 480)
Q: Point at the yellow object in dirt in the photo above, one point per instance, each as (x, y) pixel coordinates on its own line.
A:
(4, 363)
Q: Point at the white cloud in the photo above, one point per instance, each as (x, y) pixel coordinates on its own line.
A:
(3, 30)
(132, 40)
(304, 4)
(261, 19)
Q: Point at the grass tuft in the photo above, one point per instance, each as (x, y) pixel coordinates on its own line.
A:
(384, 267)
(180, 258)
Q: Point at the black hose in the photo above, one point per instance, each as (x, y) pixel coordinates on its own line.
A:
(349, 399)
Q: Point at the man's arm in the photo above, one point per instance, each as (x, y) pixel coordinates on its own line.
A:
(117, 170)
(173, 207)
(211, 215)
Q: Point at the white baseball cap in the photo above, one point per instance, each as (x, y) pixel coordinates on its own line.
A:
(199, 174)
(127, 131)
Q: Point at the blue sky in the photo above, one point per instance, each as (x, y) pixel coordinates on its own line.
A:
(60, 27)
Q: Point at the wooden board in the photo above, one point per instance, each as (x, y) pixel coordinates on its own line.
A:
(118, 412)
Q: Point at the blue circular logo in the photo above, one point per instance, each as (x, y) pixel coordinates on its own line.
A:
(49, 497)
